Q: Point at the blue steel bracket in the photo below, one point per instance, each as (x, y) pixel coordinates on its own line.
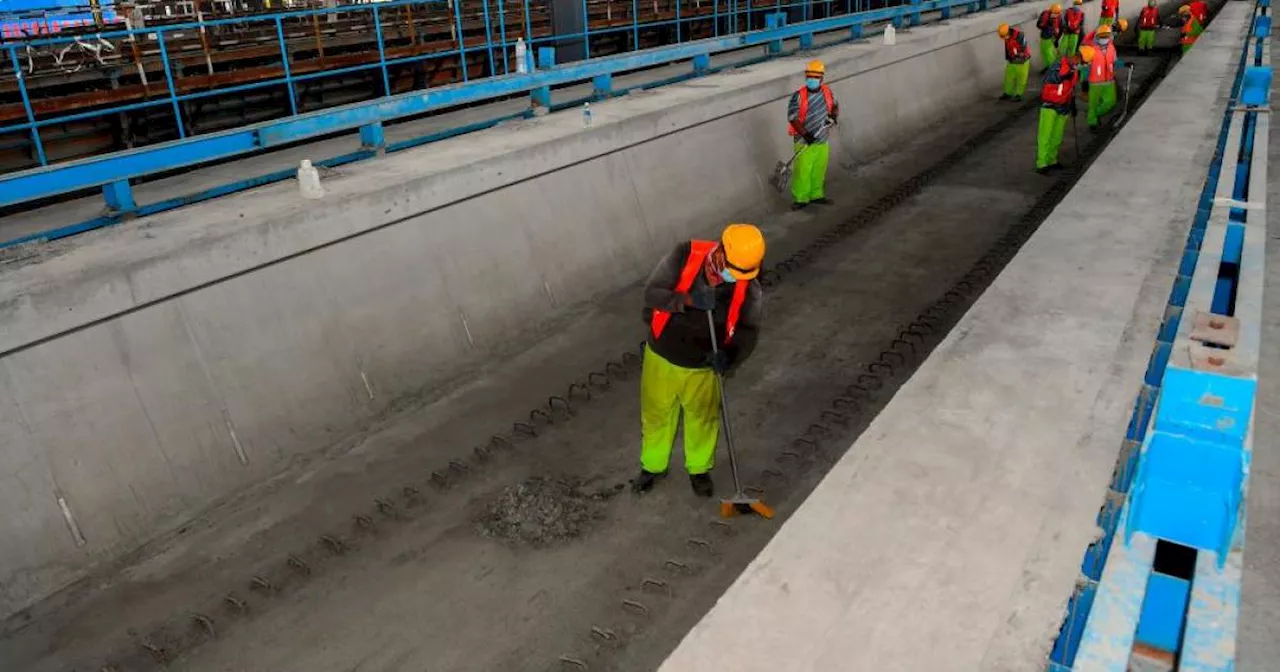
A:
(119, 197)
(915, 12)
(601, 87)
(701, 64)
(372, 137)
(775, 21)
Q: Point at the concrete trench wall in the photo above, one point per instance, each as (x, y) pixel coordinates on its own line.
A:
(151, 370)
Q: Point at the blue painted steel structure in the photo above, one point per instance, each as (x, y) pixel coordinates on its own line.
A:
(1182, 478)
(113, 172)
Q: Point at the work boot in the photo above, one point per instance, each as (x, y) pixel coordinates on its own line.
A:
(702, 485)
(1005, 96)
(799, 206)
(1042, 171)
(644, 482)
(821, 201)
(1057, 167)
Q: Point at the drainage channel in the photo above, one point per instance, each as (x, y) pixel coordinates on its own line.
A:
(704, 549)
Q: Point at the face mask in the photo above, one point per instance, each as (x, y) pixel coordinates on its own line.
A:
(813, 83)
(1104, 41)
(727, 276)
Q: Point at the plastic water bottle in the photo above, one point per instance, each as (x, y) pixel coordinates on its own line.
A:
(309, 180)
(890, 35)
(522, 56)
(586, 114)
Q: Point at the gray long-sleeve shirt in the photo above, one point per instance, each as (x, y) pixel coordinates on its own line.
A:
(815, 122)
(686, 340)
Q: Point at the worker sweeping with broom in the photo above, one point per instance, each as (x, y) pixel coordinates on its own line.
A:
(683, 365)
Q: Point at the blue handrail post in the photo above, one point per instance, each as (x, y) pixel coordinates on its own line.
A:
(715, 18)
(898, 18)
(678, 21)
(382, 51)
(915, 12)
(168, 80)
(284, 58)
(459, 38)
(635, 25)
(26, 105)
(372, 137)
(502, 35)
(772, 22)
(946, 11)
(119, 197)
(488, 39)
(542, 95)
(586, 31)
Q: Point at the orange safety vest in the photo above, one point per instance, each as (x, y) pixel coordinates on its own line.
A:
(1110, 8)
(1103, 67)
(803, 113)
(1189, 31)
(1059, 93)
(699, 249)
(1149, 18)
(1075, 21)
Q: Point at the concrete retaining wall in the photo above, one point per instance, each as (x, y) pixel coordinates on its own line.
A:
(148, 371)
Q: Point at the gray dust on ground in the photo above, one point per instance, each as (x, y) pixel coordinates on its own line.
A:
(543, 512)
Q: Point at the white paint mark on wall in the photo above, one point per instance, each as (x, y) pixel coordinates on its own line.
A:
(72, 525)
(235, 440)
(550, 294)
(467, 328)
(367, 386)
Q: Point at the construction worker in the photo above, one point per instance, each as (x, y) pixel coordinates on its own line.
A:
(1200, 10)
(1102, 75)
(1057, 103)
(1017, 62)
(680, 369)
(1190, 27)
(1148, 24)
(1109, 13)
(1050, 25)
(810, 115)
(1072, 29)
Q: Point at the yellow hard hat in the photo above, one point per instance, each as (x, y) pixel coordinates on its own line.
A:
(1055, 8)
(1104, 31)
(1185, 9)
(743, 246)
(815, 68)
(1077, 2)
(1123, 24)
(1003, 30)
(1087, 53)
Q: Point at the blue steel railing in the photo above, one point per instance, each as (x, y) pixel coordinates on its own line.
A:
(1180, 480)
(114, 172)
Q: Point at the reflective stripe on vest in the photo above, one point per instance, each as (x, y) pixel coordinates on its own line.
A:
(698, 251)
(1060, 93)
(1149, 18)
(802, 113)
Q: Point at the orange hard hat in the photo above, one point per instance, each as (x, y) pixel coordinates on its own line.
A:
(743, 246)
(815, 68)
(1055, 8)
(1003, 30)
(1087, 53)
(1123, 25)
(1185, 9)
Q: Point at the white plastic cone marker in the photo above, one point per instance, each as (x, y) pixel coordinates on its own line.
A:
(309, 180)
(522, 56)
(890, 35)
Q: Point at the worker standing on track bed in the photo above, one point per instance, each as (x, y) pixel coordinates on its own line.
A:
(1148, 23)
(1109, 13)
(680, 368)
(1017, 58)
(1190, 26)
(1072, 29)
(1057, 104)
(1102, 75)
(1050, 25)
(812, 112)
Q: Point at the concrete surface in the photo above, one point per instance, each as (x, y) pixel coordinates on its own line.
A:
(1258, 646)
(425, 593)
(150, 370)
(950, 536)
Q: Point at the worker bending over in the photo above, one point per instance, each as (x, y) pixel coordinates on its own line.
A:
(1102, 74)
(810, 115)
(1190, 26)
(1057, 103)
(680, 369)
(1072, 29)
(1109, 13)
(1017, 62)
(1050, 25)
(1148, 24)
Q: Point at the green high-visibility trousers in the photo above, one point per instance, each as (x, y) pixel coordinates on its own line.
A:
(809, 172)
(1146, 39)
(665, 389)
(1053, 125)
(1048, 51)
(1015, 78)
(1106, 21)
(1102, 99)
(1068, 44)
